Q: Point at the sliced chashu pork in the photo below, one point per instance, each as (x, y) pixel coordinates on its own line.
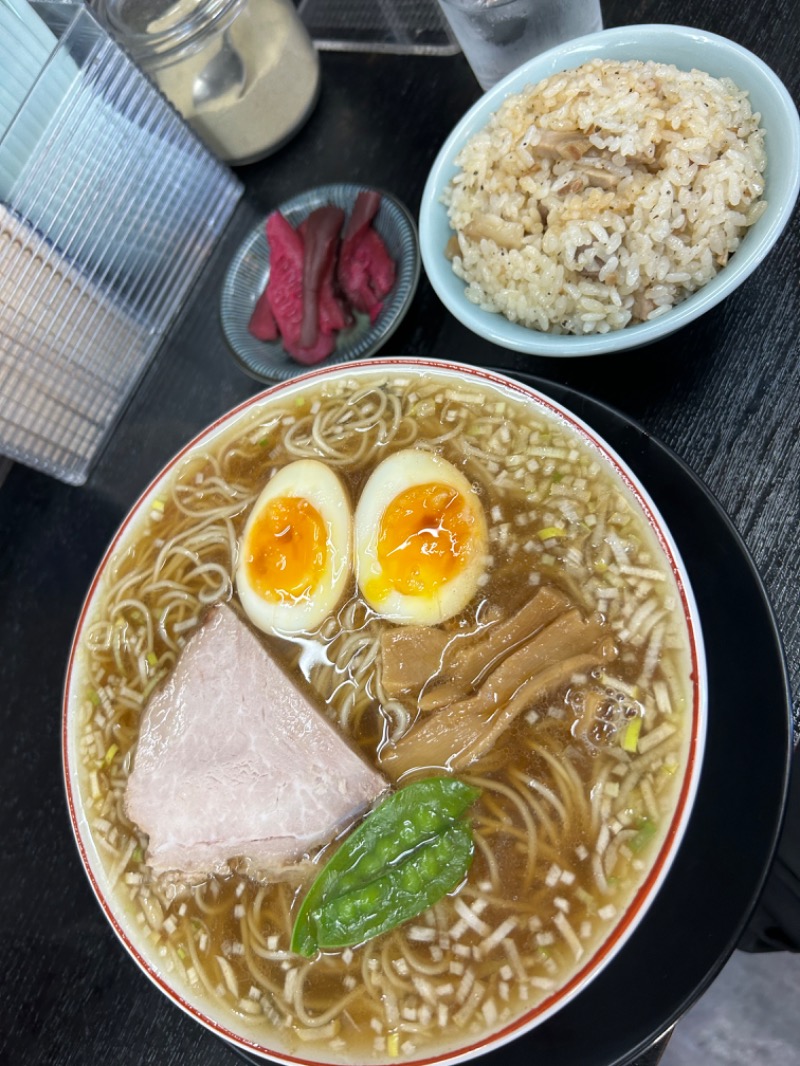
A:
(234, 760)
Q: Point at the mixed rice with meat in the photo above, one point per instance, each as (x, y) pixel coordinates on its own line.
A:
(603, 196)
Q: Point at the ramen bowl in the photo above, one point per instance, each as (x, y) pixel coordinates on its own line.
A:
(580, 770)
(568, 255)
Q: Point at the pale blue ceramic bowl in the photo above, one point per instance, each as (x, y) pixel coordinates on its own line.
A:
(687, 48)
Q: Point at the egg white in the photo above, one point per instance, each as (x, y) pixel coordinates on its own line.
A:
(399, 472)
(280, 613)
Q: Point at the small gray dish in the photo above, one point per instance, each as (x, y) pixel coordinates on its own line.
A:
(248, 272)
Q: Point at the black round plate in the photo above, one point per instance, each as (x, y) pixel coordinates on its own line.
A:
(703, 906)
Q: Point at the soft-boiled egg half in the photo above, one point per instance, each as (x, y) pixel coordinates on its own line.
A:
(420, 536)
(295, 551)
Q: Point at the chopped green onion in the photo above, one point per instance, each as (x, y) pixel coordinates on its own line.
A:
(646, 832)
(112, 751)
(93, 697)
(551, 532)
(618, 685)
(630, 738)
(157, 504)
(152, 659)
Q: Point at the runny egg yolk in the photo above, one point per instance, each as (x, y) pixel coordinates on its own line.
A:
(421, 539)
(287, 550)
(296, 547)
(424, 539)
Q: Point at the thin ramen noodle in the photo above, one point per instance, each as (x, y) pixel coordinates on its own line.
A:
(578, 793)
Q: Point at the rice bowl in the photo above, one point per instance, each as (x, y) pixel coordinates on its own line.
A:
(674, 46)
(604, 195)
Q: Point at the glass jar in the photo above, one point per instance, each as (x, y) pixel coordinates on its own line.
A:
(242, 109)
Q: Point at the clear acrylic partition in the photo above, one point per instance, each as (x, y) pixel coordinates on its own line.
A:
(109, 208)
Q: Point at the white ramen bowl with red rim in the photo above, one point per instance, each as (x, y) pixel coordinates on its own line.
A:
(79, 785)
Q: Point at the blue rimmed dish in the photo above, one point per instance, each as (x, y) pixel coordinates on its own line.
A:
(686, 48)
(249, 270)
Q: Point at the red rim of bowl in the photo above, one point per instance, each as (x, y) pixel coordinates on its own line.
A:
(647, 891)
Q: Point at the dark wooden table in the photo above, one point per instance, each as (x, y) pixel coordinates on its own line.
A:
(724, 394)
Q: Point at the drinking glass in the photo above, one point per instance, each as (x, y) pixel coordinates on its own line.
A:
(497, 36)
